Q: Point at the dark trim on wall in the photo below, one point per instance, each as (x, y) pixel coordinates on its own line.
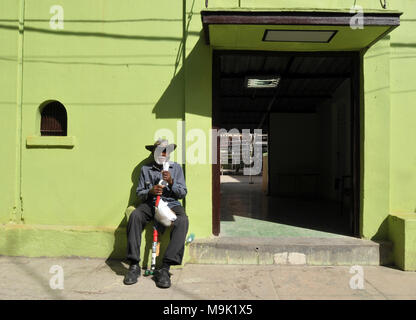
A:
(356, 153)
(295, 18)
(269, 142)
(216, 182)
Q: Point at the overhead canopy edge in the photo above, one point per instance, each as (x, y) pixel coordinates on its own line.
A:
(319, 18)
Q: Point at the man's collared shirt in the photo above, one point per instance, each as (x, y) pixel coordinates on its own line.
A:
(151, 174)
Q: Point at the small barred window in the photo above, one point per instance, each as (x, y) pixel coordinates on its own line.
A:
(53, 119)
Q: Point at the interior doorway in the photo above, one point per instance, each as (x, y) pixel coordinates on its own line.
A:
(307, 106)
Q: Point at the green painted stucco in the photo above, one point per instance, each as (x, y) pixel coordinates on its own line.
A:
(375, 121)
(8, 111)
(124, 70)
(402, 230)
(119, 70)
(343, 5)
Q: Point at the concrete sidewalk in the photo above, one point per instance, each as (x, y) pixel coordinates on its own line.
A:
(29, 278)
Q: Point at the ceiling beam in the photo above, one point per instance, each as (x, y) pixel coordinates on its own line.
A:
(293, 76)
(285, 96)
(233, 111)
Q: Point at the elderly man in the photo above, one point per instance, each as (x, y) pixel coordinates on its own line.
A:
(147, 190)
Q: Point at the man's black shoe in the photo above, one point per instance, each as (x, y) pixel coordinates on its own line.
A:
(162, 278)
(133, 274)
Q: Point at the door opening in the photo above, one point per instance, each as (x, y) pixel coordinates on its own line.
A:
(306, 105)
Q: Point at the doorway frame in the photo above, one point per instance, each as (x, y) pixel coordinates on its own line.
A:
(356, 83)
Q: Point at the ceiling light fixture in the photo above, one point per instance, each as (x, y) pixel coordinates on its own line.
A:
(321, 36)
(262, 82)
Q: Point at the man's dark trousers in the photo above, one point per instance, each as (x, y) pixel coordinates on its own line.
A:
(143, 214)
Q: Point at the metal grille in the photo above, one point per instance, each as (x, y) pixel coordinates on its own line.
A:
(54, 120)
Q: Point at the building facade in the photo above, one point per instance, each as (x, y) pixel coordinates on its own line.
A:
(128, 72)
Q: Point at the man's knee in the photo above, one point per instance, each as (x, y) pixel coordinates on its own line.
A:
(179, 210)
(181, 220)
(140, 214)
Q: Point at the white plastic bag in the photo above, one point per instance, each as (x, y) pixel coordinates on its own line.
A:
(163, 213)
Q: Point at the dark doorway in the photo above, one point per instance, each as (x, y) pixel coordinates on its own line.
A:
(309, 183)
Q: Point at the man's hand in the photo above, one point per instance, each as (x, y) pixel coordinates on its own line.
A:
(156, 190)
(167, 177)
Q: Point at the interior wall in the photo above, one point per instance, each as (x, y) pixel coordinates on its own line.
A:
(328, 155)
(294, 153)
(310, 153)
(342, 103)
(335, 136)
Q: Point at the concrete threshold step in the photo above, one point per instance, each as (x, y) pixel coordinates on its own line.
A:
(295, 251)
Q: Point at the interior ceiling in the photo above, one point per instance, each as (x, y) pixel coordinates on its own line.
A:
(306, 82)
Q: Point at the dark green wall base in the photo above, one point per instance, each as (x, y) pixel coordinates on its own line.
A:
(60, 241)
(402, 232)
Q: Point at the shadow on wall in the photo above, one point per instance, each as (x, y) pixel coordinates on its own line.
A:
(118, 255)
(120, 238)
(382, 231)
(171, 103)
(169, 106)
(386, 244)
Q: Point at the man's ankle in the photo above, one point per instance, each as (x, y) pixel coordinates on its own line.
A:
(133, 274)
(165, 266)
(133, 262)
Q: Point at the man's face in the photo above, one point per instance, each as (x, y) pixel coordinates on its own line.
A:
(161, 157)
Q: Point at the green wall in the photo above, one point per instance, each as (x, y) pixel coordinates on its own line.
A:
(403, 112)
(110, 74)
(9, 15)
(389, 165)
(375, 140)
(125, 69)
(402, 231)
(119, 70)
(291, 4)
